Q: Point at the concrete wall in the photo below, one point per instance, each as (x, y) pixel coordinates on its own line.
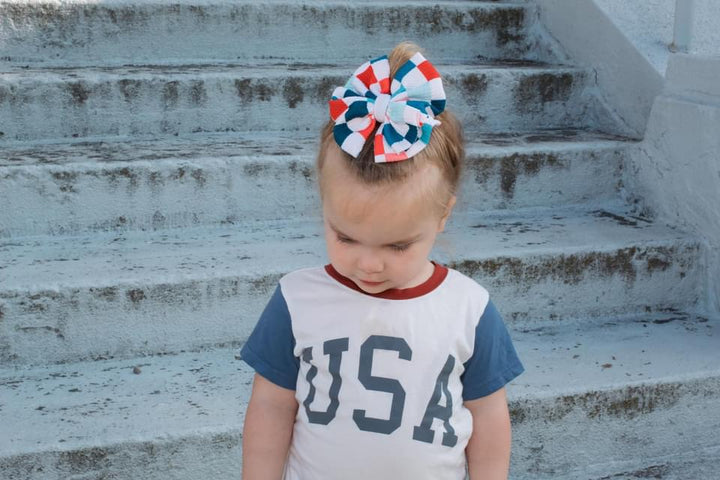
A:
(706, 31)
(590, 37)
(672, 100)
(649, 25)
(633, 55)
(676, 169)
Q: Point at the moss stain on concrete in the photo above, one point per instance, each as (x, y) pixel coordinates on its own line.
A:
(509, 168)
(568, 269)
(627, 403)
(108, 294)
(248, 91)
(293, 92)
(533, 91)
(171, 95)
(130, 89)
(136, 296)
(198, 93)
(83, 461)
(79, 92)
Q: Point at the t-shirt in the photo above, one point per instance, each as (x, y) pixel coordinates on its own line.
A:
(380, 379)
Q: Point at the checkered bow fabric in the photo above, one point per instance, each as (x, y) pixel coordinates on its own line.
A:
(405, 108)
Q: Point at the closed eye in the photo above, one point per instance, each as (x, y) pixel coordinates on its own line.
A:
(343, 239)
(400, 247)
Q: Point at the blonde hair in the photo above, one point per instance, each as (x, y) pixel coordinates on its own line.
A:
(445, 150)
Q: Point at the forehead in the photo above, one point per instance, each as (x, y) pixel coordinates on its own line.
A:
(422, 182)
(383, 213)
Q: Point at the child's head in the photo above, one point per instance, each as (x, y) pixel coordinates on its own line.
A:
(381, 219)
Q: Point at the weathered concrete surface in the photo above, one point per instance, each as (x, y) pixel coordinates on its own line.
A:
(608, 391)
(228, 179)
(589, 405)
(631, 60)
(70, 298)
(602, 384)
(649, 26)
(77, 32)
(705, 39)
(676, 170)
(626, 79)
(160, 417)
(696, 463)
(50, 104)
(540, 170)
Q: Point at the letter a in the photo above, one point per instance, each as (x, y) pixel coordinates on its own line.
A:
(423, 432)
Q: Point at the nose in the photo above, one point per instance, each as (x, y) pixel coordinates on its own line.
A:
(370, 262)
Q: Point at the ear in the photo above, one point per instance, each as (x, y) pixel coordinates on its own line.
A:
(446, 215)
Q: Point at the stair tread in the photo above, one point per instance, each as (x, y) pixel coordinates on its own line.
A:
(39, 262)
(81, 405)
(562, 358)
(270, 146)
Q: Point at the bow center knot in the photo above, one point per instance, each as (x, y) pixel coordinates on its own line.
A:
(382, 102)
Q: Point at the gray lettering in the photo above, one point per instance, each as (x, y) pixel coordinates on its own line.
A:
(380, 384)
(423, 432)
(335, 349)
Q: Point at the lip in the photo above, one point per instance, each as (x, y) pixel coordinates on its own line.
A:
(371, 284)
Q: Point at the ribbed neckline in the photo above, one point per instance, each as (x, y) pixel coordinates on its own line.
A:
(437, 277)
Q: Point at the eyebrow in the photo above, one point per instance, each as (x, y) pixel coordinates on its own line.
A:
(399, 242)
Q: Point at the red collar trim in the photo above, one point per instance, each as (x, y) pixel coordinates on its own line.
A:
(424, 288)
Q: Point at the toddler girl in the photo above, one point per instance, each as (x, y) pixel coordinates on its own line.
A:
(382, 364)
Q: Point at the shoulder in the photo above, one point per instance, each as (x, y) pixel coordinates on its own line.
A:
(304, 287)
(467, 288)
(301, 276)
(463, 280)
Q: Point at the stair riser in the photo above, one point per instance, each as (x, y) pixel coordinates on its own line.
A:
(71, 325)
(600, 434)
(208, 455)
(494, 100)
(590, 284)
(541, 178)
(92, 34)
(158, 194)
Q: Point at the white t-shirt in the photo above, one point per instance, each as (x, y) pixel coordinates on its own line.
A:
(380, 379)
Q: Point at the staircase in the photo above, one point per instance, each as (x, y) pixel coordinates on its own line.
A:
(156, 180)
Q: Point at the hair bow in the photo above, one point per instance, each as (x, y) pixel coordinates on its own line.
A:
(405, 108)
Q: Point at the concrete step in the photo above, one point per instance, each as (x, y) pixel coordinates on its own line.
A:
(125, 294)
(229, 178)
(38, 104)
(618, 400)
(119, 32)
(610, 402)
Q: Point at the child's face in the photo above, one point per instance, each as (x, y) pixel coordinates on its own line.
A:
(380, 236)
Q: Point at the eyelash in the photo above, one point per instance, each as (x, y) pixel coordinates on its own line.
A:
(396, 248)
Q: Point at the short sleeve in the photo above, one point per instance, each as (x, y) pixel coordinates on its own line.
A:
(269, 350)
(494, 361)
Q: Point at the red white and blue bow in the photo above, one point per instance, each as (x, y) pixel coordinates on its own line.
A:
(405, 108)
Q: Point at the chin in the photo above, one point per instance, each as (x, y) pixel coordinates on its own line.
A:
(373, 288)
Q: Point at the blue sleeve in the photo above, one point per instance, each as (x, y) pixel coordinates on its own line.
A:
(269, 350)
(494, 361)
